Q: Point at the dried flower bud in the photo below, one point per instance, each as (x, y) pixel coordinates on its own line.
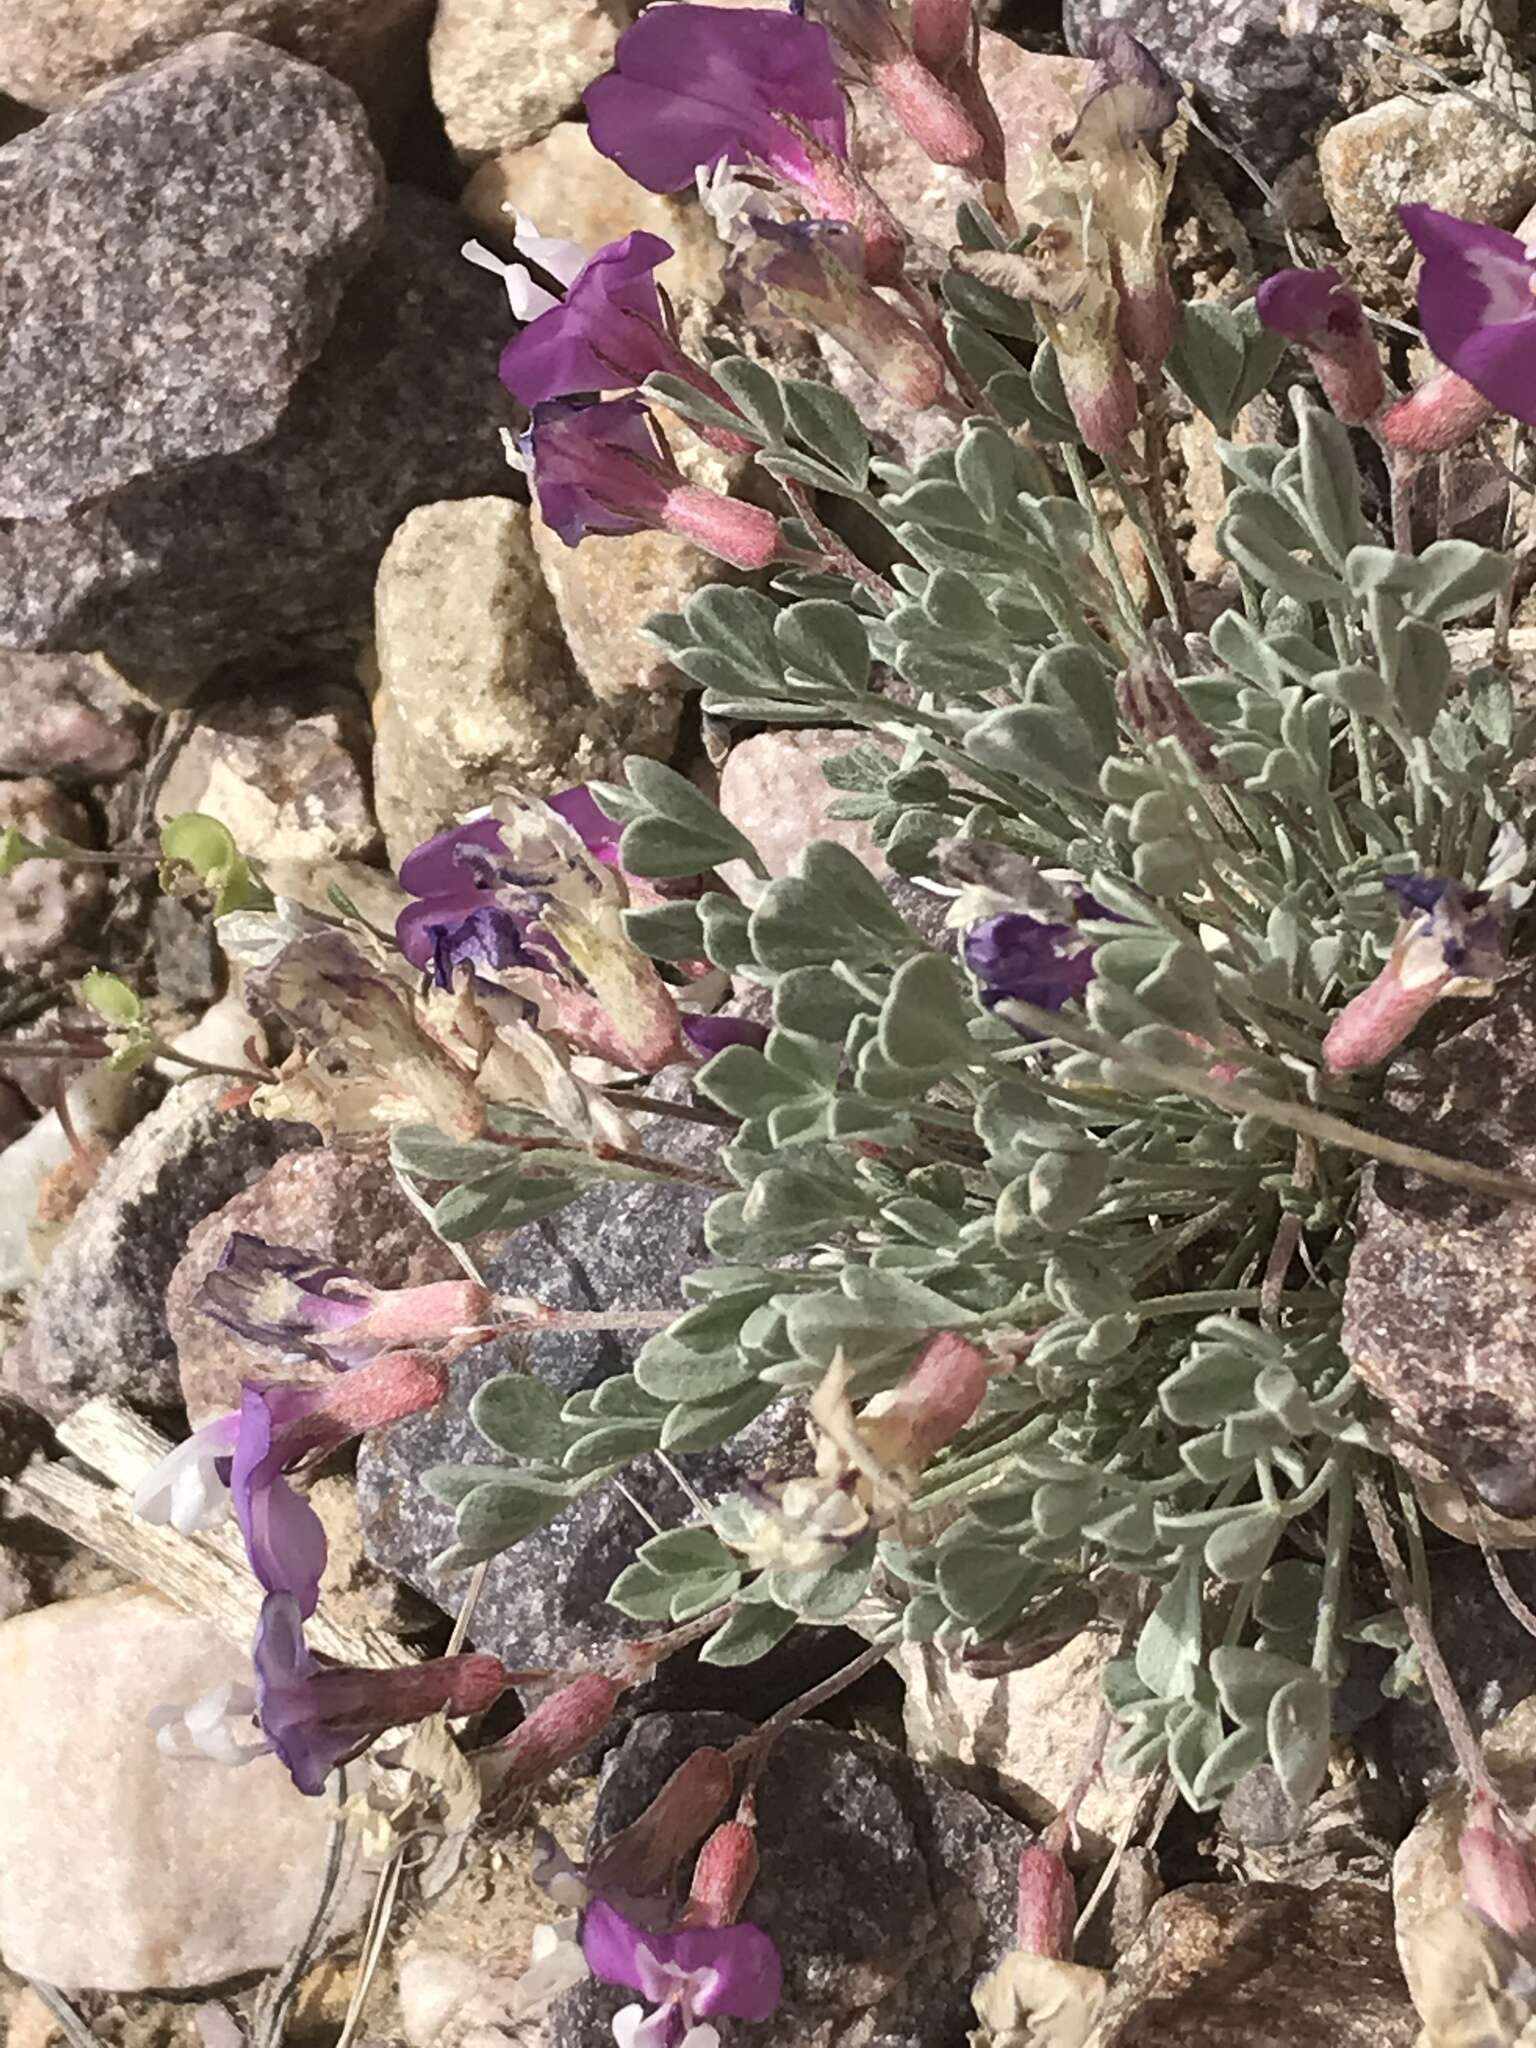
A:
(1498, 1870)
(1047, 1905)
(938, 1396)
(942, 32)
(559, 1728)
(641, 1857)
(724, 1874)
(1316, 310)
(1152, 704)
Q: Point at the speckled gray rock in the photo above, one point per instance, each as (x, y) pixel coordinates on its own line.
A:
(1262, 1966)
(69, 717)
(476, 693)
(1269, 71)
(504, 71)
(98, 1321)
(253, 553)
(53, 52)
(1437, 1304)
(192, 230)
(544, 1602)
(887, 1890)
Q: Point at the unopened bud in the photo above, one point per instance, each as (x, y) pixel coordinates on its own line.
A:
(746, 536)
(941, 33)
(723, 1876)
(1498, 1876)
(641, 1858)
(1437, 417)
(1375, 1022)
(1316, 310)
(558, 1729)
(1047, 1905)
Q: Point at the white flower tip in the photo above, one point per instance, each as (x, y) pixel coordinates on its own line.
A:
(483, 258)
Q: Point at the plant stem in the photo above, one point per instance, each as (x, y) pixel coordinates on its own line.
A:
(835, 550)
(1341, 1516)
(1469, 1753)
(754, 1749)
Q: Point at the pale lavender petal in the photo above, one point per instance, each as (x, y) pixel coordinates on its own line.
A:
(284, 1537)
(598, 833)
(709, 1035)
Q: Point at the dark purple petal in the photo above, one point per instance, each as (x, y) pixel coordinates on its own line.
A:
(442, 866)
(488, 938)
(709, 1035)
(1476, 305)
(284, 1538)
(1417, 892)
(283, 1666)
(695, 86)
(1018, 957)
(1314, 307)
(606, 334)
(598, 833)
(598, 468)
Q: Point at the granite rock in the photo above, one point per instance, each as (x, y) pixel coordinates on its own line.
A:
(1436, 152)
(53, 52)
(68, 717)
(772, 788)
(1436, 1304)
(186, 1880)
(1262, 1966)
(475, 693)
(98, 1322)
(1031, 1734)
(283, 770)
(193, 228)
(345, 1206)
(102, 1105)
(606, 589)
(1269, 72)
(887, 1890)
(276, 546)
(45, 905)
(504, 71)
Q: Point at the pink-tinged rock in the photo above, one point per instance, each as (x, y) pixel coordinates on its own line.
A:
(44, 905)
(121, 1869)
(1036, 98)
(343, 1206)
(284, 772)
(772, 789)
(69, 716)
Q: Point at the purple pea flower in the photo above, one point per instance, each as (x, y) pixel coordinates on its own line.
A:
(297, 1303)
(600, 469)
(1019, 958)
(317, 1717)
(1450, 943)
(455, 877)
(525, 890)
(709, 1035)
(240, 1461)
(695, 86)
(1317, 310)
(1477, 305)
(608, 334)
(687, 1977)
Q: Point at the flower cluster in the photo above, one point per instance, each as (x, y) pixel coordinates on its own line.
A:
(389, 1352)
